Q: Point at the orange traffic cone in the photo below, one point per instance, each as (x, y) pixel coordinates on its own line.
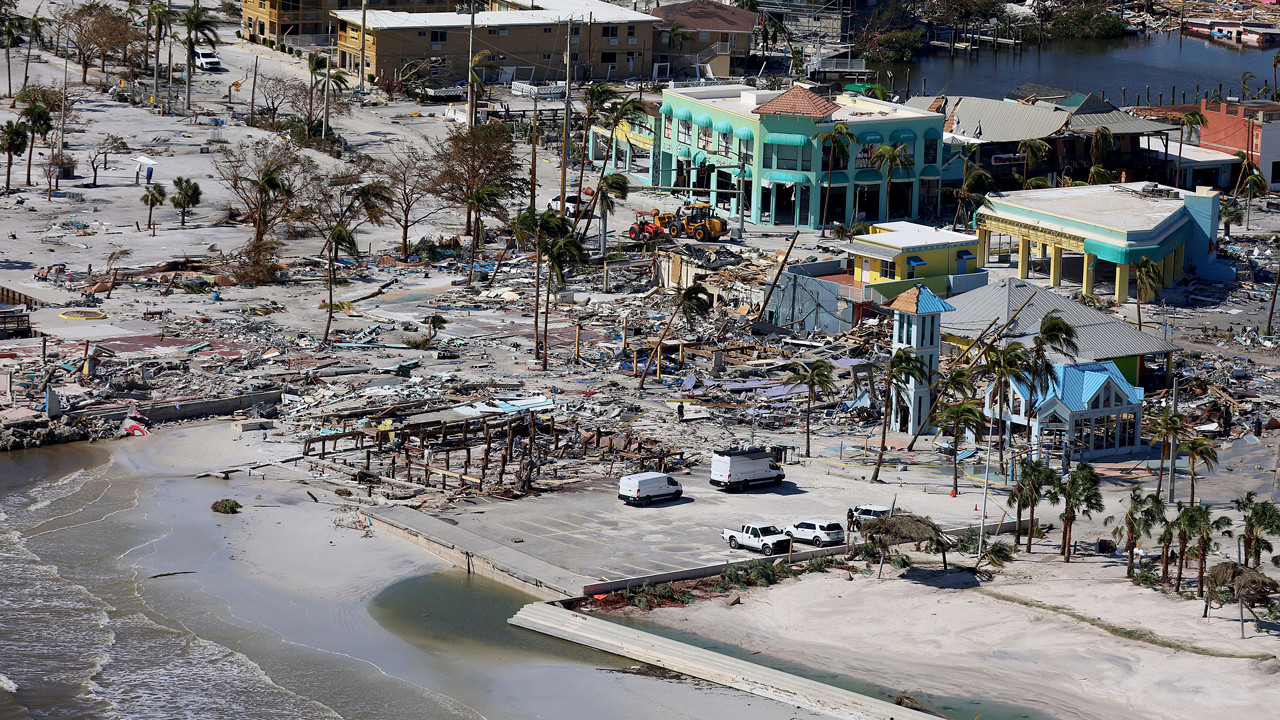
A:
(953, 493)
(975, 507)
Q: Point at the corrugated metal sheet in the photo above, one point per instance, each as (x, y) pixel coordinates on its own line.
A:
(1099, 336)
(1118, 122)
(995, 120)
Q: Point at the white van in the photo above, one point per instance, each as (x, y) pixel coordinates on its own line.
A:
(643, 488)
(735, 469)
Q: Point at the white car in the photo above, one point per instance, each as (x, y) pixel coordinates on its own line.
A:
(863, 513)
(818, 533)
(207, 60)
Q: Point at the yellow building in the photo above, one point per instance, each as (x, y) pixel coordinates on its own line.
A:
(605, 42)
(908, 251)
(308, 22)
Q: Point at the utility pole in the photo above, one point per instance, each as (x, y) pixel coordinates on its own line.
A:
(364, 32)
(568, 104)
(253, 88)
(533, 159)
(62, 116)
(471, 60)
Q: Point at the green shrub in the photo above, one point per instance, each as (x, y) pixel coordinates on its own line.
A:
(238, 35)
(899, 561)
(226, 506)
(818, 564)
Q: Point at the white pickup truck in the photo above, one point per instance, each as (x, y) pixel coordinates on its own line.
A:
(765, 538)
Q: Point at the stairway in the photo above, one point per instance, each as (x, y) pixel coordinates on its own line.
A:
(551, 619)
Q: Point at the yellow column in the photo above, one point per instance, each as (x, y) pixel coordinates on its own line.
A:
(1055, 266)
(1089, 260)
(1024, 258)
(1122, 282)
(1179, 259)
(1166, 270)
(984, 247)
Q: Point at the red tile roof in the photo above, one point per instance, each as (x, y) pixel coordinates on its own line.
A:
(799, 102)
(707, 15)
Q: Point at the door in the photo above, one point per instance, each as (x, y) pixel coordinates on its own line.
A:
(866, 270)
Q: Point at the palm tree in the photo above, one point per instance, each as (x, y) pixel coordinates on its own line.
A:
(1033, 151)
(888, 159)
(1101, 145)
(816, 377)
(839, 138)
(1205, 526)
(35, 34)
(1027, 492)
(1275, 63)
(1193, 120)
(484, 199)
(13, 141)
(903, 369)
(151, 197)
(974, 186)
(435, 323)
(610, 186)
(1150, 279)
(1245, 78)
(1139, 519)
(619, 111)
(1230, 215)
(1080, 494)
(1198, 450)
(1183, 527)
(594, 101)
(1006, 366)
(962, 416)
(1260, 518)
(38, 122)
(341, 240)
(561, 251)
(200, 28)
(1058, 336)
(186, 195)
(1254, 185)
(691, 303)
(530, 227)
(159, 24)
(12, 36)
(1166, 425)
(1165, 525)
(1098, 175)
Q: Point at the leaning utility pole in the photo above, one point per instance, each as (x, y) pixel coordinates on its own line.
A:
(253, 89)
(364, 32)
(568, 105)
(471, 64)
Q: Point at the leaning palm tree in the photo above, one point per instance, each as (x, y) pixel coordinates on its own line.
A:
(963, 417)
(1189, 122)
(1138, 520)
(1150, 280)
(1165, 425)
(1033, 151)
(610, 186)
(888, 159)
(11, 35)
(13, 141)
(1005, 366)
(691, 303)
(903, 369)
(530, 228)
(817, 377)
(1098, 175)
(484, 199)
(1261, 518)
(1199, 450)
(342, 239)
(839, 139)
(1028, 491)
(597, 98)
(1080, 494)
(39, 122)
(975, 183)
(200, 28)
(1057, 336)
(1101, 145)
(561, 252)
(1246, 78)
(35, 35)
(151, 197)
(1253, 186)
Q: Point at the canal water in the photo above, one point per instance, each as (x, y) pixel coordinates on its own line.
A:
(1160, 60)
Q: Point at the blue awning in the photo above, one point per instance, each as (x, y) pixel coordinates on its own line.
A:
(871, 137)
(933, 134)
(699, 157)
(702, 121)
(735, 172)
(964, 255)
(903, 135)
(915, 261)
(744, 133)
(682, 152)
(683, 114)
(929, 171)
(666, 109)
(904, 174)
(867, 176)
(786, 176)
(723, 126)
(788, 139)
(836, 177)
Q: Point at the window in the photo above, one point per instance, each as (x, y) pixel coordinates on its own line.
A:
(666, 127)
(631, 31)
(787, 157)
(863, 158)
(911, 271)
(573, 57)
(546, 56)
(497, 31)
(682, 132)
(704, 37)
(887, 270)
(744, 147)
(608, 58)
(262, 4)
(930, 150)
(422, 33)
(546, 31)
(724, 145)
(704, 138)
(609, 31)
(439, 36)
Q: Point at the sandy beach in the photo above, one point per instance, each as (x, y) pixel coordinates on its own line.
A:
(922, 630)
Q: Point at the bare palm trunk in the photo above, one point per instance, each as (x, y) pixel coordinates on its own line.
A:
(1204, 550)
(8, 66)
(546, 316)
(884, 426)
(1192, 501)
(1164, 450)
(808, 413)
(8, 173)
(1182, 560)
(955, 460)
(31, 148)
(1017, 529)
(1164, 560)
(191, 59)
(537, 297)
(328, 323)
(404, 236)
(1000, 424)
(1132, 543)
(662, 337)
(1031, 527)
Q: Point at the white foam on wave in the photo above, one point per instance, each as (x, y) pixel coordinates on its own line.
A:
(8, 685)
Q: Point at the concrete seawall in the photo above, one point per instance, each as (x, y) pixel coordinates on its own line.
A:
(553, 620)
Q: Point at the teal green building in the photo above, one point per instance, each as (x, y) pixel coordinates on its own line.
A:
(718, 143)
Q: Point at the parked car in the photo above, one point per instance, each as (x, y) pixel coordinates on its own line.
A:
(816, 532)
(765, 538)
(739, 468)
(207, 60)
(643, 488)
(575, 206)
(863, 513)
